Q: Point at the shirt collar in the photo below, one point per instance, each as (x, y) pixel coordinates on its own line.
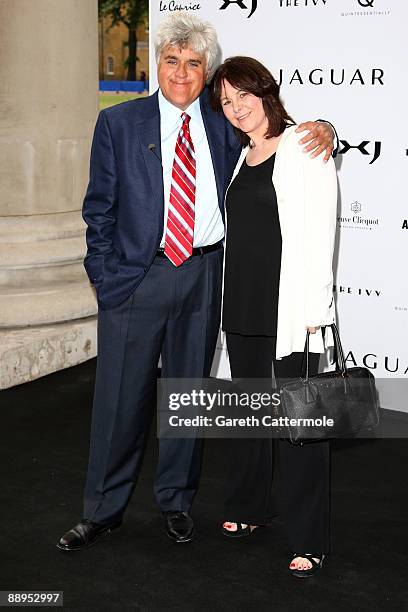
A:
(170, 115)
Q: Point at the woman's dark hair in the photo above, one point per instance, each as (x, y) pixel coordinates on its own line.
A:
(247, 74)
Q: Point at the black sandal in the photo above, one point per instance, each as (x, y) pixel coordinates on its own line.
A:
(240, 531)
(316, 565)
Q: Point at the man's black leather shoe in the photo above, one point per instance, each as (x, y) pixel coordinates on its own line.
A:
(179, 526)
(84, 535)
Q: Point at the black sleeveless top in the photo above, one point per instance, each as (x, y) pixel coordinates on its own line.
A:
(253, 252)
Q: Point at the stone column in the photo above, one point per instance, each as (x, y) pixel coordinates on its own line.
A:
(48, 108)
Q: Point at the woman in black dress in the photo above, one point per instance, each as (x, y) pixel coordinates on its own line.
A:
(281, 208)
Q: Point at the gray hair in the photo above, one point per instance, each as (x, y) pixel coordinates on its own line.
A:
(180, 30)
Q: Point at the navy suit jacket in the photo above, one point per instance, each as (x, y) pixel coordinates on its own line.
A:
(124, 202)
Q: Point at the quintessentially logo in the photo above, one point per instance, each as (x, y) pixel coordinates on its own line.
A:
(357, 220)
(371, 10)
(362, 148)
(241, 4)
(331, 76)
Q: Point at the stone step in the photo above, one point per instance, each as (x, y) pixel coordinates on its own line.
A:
(45, 304)
(27, 354)
(42, 253)
(32, 228)
(20, 277)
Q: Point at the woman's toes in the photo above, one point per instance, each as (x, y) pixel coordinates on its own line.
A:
(300, 563)
(230, 526)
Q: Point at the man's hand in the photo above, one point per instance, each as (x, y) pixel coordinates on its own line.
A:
(320, 138)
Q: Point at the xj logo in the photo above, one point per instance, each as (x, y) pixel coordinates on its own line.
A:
(367, 3)
(362, 148)
(241, 5)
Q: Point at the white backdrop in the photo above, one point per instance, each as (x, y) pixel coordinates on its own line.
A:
(345, 61)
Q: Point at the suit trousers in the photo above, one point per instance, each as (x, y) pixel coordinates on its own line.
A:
(175, 313)
(301, 493)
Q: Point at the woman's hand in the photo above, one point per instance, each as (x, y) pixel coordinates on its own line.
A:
(312, 330)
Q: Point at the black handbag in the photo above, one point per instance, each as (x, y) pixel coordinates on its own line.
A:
(336, 404)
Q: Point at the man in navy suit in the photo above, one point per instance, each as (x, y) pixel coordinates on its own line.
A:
(149, 304)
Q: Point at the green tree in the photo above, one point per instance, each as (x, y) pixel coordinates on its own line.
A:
(131, 13)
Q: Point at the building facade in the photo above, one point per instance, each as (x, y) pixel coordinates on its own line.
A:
(113, 51)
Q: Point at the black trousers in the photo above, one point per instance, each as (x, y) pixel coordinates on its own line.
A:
(301, 493)
(175, 313)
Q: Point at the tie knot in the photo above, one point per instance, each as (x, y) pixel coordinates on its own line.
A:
(186, 118)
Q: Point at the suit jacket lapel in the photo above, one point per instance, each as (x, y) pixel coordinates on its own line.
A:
(215, 130)
(148, 131)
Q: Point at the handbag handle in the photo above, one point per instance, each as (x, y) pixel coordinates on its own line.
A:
(338, 353)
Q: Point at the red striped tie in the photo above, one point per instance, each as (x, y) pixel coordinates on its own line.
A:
(180, 220)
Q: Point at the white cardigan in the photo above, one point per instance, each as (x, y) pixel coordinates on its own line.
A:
(306, 191)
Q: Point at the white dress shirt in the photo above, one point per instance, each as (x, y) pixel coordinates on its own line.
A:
(208, 225)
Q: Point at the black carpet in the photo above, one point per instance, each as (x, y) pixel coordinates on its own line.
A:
(43, 460)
